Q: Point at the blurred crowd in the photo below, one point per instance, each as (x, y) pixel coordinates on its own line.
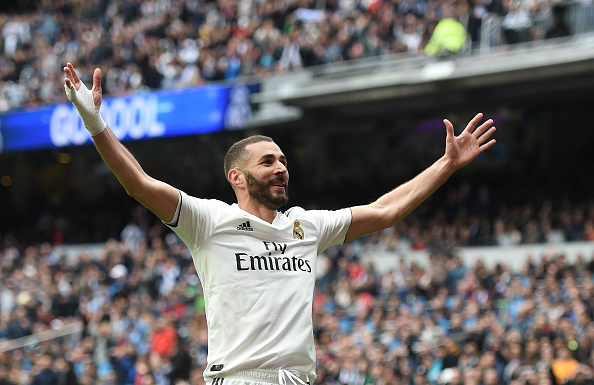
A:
(156, 44)
(140, 308)
(472, 216)
(463, 215)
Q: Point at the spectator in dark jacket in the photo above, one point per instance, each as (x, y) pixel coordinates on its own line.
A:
(181, 363)
(45, 375)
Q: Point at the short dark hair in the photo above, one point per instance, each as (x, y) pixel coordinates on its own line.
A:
(237, 154)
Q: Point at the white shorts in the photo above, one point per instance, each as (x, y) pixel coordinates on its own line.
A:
(262, 377)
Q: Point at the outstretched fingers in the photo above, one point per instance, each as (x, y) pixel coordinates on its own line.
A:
(483, 132)
(482, 128)
(483, 138)
(74, 74)
(470, 126)
(97, 86)
(449, 129)
(71, 79)
(68, 83)
(67, 80)
(97, 79)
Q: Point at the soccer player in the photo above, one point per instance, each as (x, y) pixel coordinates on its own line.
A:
(257, 264)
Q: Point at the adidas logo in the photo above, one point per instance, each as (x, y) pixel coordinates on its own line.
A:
(245, 226)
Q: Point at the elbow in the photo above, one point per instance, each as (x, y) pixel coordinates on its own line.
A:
(390, 217)
(130, 193)
(136, 194)
(385, 218)
(386, 222)
(135, 188)
(133, 192)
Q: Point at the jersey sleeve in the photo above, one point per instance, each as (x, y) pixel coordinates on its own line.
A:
(195, 218)
(332, 226)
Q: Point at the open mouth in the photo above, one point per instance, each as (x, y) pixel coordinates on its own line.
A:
(279, 183)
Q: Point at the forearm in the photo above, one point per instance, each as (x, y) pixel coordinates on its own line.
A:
(393, 206)
(399, 202)
(121, 162)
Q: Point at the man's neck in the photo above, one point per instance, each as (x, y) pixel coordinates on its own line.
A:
(258, 210)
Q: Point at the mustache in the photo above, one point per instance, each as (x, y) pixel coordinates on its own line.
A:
(281, 179)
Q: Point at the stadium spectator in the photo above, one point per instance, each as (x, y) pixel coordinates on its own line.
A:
(559, 27)
(42, 371)
(516, 23)
(450, 36)
(163, 338)
(185, 43)
(404, 329)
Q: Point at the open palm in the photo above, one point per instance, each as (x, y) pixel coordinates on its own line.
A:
(464, 148)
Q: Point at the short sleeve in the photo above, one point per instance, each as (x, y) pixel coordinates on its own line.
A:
(195, 219)
(332, 226)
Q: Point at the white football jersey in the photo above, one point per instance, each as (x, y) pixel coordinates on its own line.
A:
(258, 280)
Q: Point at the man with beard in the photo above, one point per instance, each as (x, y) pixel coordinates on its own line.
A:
(257, 264)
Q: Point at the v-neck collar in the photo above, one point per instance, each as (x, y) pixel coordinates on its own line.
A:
(275, 221)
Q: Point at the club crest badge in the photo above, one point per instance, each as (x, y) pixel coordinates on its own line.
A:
(297, 230)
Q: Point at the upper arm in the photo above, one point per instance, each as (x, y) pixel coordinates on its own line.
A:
(159, 197)
(366, 219)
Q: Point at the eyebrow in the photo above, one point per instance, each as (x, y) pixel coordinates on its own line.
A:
(267, 156)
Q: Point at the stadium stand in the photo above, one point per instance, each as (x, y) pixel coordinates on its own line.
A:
(172, 44)
(135, 315)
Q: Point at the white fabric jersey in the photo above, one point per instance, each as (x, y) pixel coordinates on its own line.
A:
(258, 280)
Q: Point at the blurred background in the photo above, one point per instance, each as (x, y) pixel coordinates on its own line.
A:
(491, 281)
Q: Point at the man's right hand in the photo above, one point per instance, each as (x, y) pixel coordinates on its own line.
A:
(87, 102)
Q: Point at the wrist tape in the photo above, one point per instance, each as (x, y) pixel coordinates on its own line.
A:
(88, 111)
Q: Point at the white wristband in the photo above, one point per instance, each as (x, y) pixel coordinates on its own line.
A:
(88, 111)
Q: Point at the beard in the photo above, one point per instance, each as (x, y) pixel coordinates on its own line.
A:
(260, 192)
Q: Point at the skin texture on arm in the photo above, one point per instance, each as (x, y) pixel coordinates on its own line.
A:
(157, 196)
(398, 203)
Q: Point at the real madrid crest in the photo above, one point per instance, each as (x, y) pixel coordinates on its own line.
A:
(297, 230)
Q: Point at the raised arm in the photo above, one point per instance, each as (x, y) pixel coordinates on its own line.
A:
(157, 196)
(398, 203)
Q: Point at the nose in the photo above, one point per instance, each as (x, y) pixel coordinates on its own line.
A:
(281, 168)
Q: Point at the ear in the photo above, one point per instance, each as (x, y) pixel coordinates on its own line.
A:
(236, 177)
